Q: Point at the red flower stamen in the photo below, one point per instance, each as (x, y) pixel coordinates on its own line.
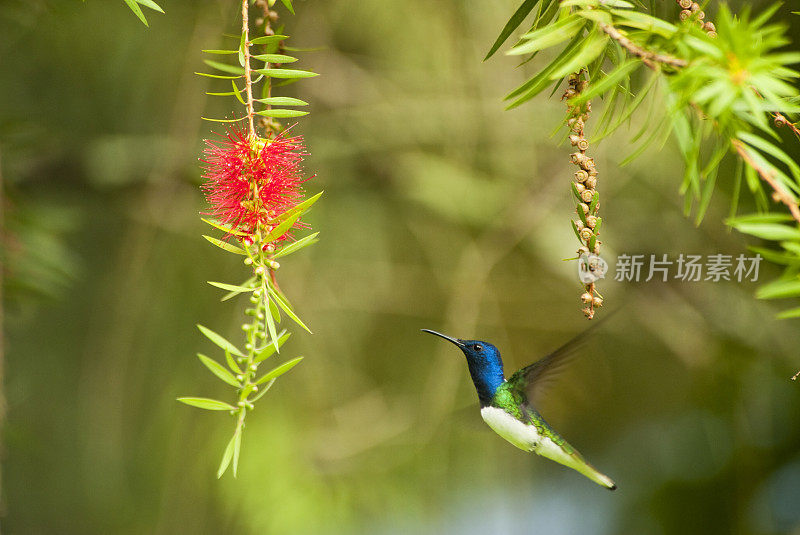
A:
(250, 181)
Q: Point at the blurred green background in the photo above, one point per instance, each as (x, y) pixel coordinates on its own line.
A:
(440, 211)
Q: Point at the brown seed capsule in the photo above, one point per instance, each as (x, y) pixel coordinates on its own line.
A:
(591, 221)
(581, 175)
(712, 34)
(695, 7)
(583, 144)
(588, 163)
(586, 298)
(580, 188)
(685, 14)
(574, 139)
(780, 121)
(597, 301)
(584, 207)
(591, 183)
(587, 196)
(700, 16)
(588, 312)
(578, 225)
(577, 126)
(709, 27)
(583, 250)
(586, 233)
(577, 158)
(685, 4)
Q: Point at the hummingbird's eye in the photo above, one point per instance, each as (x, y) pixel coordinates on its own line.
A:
(477, 347)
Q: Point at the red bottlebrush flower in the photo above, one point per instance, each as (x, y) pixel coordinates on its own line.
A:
(250, 181)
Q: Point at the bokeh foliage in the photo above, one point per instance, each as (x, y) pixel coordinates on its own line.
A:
(441, 211)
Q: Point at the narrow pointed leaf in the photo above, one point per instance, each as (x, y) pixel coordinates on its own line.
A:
(513, 23)
(220, 341)
(287, 309)
(270, 349)
(280, 370)
(218, 370)
(207, 404)
(296, 246)
(268, 39)
(281, 113)
(282, 101)
(288, 4)
(286, 73)
(224, 67)
(226, 246)
(300, 208)
(232, 363)
(231, 287)
(220, 76)
(134, 6)
(226, 457)
(275, 58)
(237, 446)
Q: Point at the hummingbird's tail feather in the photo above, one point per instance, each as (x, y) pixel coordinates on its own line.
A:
(574, 460)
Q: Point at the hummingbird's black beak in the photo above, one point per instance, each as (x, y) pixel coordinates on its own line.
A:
(456, 341)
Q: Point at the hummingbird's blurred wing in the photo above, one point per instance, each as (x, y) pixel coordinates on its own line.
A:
(535, 379)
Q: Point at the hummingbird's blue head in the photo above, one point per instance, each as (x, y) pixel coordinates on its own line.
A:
(485, 365)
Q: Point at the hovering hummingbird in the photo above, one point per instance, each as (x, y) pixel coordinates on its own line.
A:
(506, 404)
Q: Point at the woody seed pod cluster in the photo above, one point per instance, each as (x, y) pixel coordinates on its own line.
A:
(691, 10)
(587, 225)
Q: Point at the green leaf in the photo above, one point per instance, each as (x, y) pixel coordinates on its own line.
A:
(288, 4)
(287, 308)
(592, 47)
(221, 51)
(226, 246)
(218, 370)
(220, 341)
(227, 456)
(779, 289)
(282, 101)
(137, 11)
(297, 245)
(300, 208)
(791, 313)
(246, 284)
(771, 217)
(232, 363)
(643, 21)
(207, 404)
(224, 228)
(280, 370)
(238, 93)
(548, 36)
(273, 335)
(607, 82)
(536, 85)
(268, 39)
(269, 350)
(224, 67)
(152, 5)
(281, 113)
(769, 231)
(513, 23)
(220, 120)
(286, 73)
(232, 287)
(237, 446)
(219, 76)
(275, 58)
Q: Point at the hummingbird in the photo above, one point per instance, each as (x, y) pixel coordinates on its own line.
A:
(507, 405)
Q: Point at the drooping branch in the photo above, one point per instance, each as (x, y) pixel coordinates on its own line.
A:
(648, 57)
(248, 82)
(779, 193)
